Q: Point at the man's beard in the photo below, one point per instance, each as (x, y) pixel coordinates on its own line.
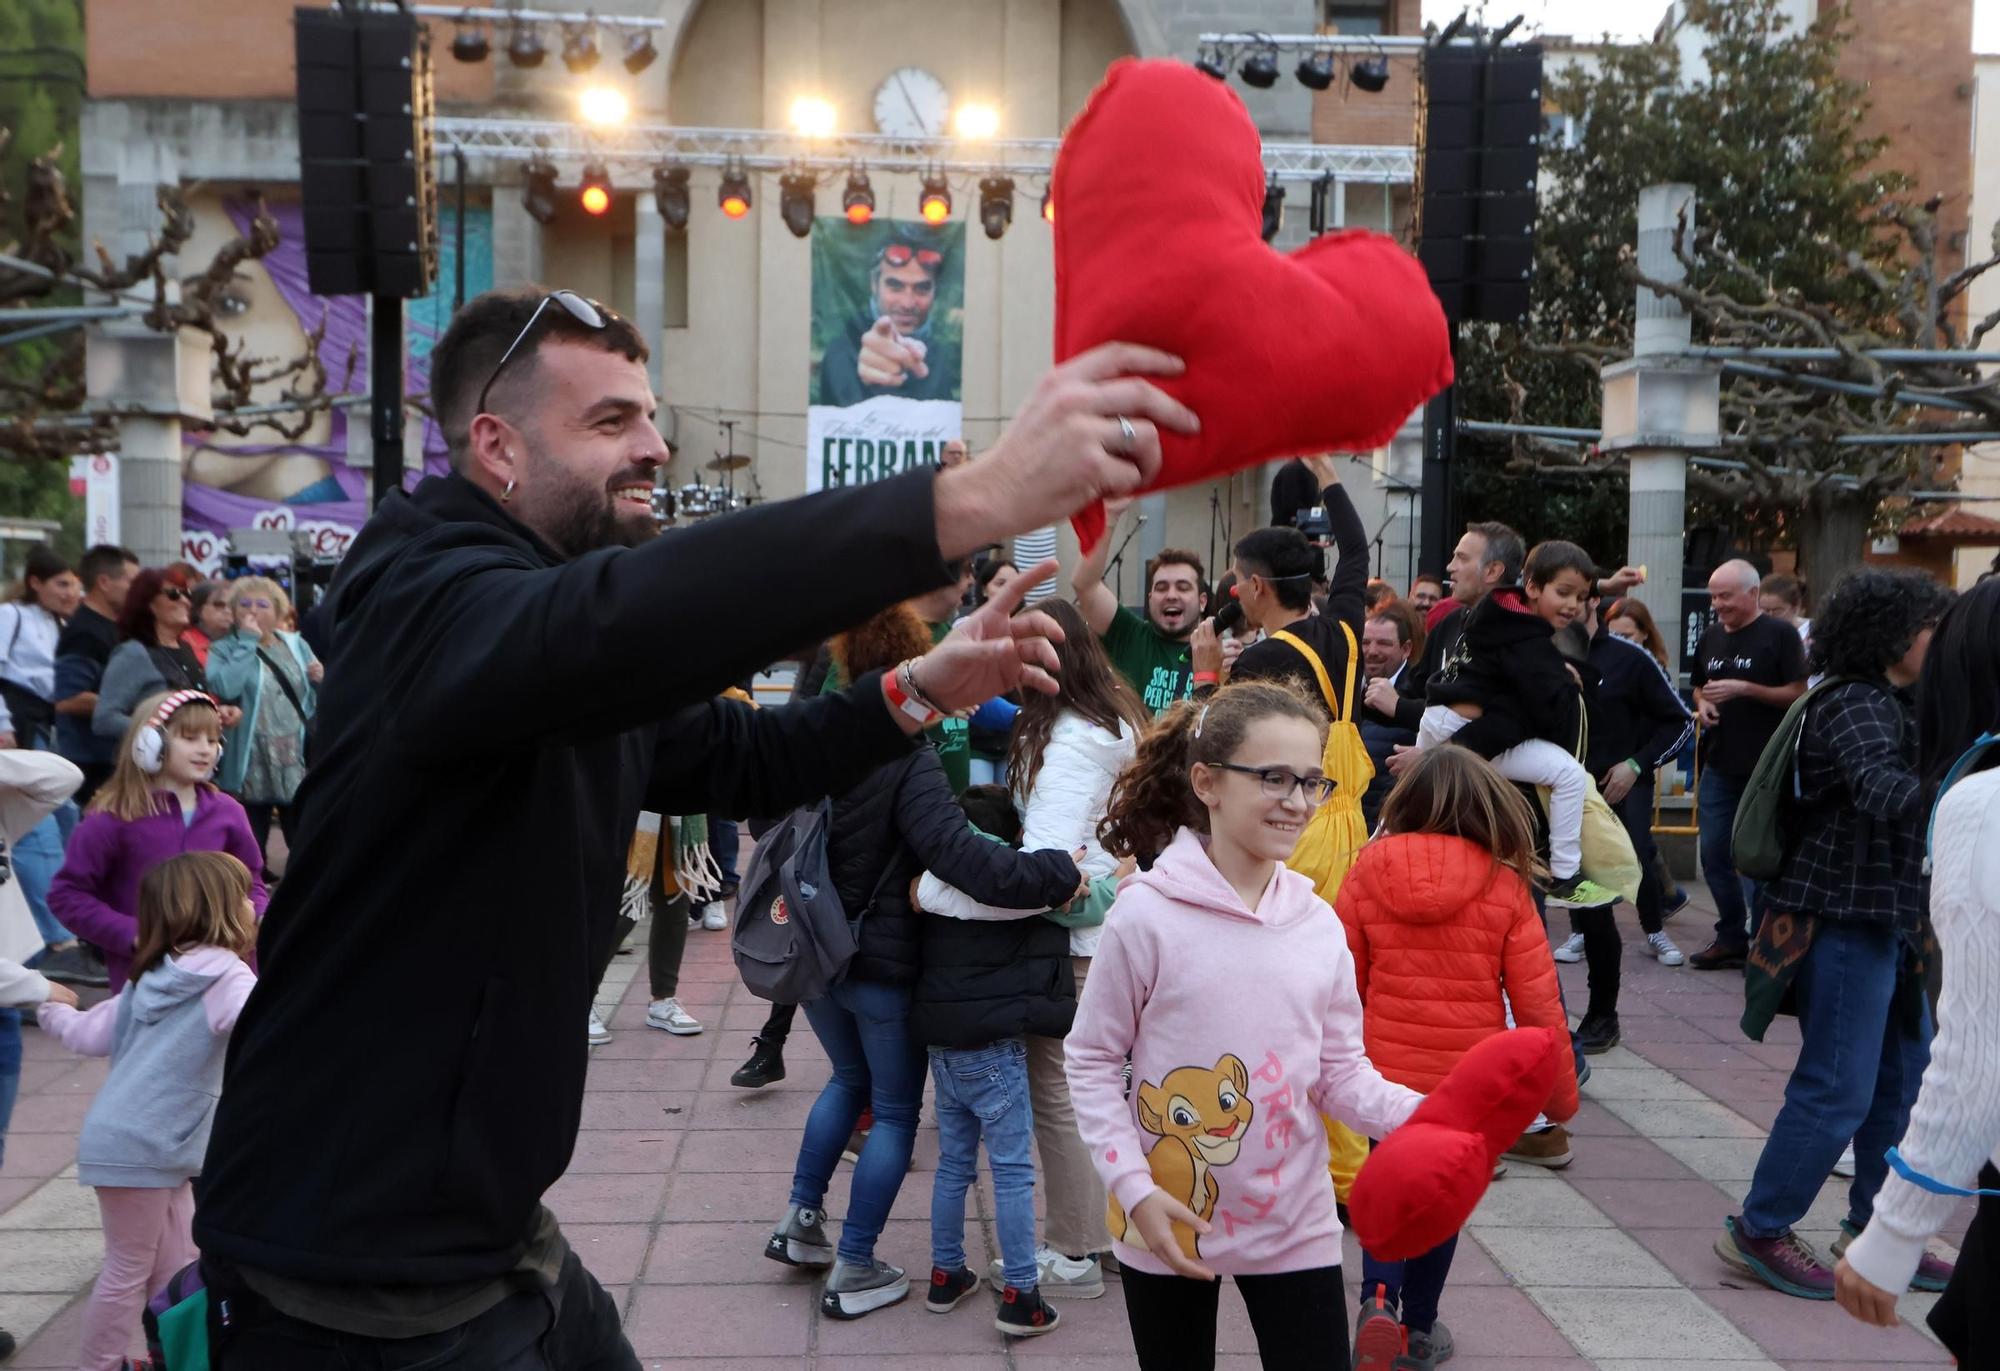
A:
(577, 517)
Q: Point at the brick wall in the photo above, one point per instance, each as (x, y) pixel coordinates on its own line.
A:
(1346, 115)
(1915, 56)
(222, 50)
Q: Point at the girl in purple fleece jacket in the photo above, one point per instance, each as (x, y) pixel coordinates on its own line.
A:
(158, 804)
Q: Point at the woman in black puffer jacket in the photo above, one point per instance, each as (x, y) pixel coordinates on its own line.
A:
(882, 834)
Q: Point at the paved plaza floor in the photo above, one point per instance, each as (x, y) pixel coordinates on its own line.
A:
(677, 1178)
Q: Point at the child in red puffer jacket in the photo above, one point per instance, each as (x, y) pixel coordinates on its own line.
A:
(1445, 938)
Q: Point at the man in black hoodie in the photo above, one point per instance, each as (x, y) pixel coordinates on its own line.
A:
(510, 685)
(1506, 692)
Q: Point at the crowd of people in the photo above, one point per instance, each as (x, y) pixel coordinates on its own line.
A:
(1177, 911)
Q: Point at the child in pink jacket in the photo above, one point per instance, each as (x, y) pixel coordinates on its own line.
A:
(165, 1032)
(1230, 985)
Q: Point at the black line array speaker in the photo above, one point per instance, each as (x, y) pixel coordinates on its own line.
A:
(1478, 157)
(366, 176)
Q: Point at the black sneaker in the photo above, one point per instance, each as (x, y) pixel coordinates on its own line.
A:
(6, 1344)
(766, 1066)
(1598, 1035)
(74, 965)
(950, 1289)
(1025, 1314)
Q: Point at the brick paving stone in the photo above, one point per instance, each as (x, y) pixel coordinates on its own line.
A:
(677, 1177)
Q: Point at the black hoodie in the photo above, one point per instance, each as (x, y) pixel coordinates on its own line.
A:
(407, 1078)
(1507, 663)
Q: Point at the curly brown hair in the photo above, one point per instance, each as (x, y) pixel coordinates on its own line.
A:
(894, 635)
(1154, 799)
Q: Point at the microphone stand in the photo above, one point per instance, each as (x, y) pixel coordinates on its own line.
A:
(1118, 559)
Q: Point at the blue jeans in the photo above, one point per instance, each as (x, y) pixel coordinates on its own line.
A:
(1857, 1075)
(865, 1029)
(1413, 1286)
(37, 858)
(723, 841)
(1739, 901)
(10, 1071)
(983, 1092)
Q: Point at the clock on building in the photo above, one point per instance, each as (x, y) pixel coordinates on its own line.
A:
(912, 103)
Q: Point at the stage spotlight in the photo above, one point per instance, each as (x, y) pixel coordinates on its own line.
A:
(1260, 69)
(733, 195)
(976, 123)
(595, 193)
(813, 117)
(1213, 63)
(935, 206)
(857, 202)
(1371, 74)
(1316, 72)
(538, 192)
(580, 51)
(1274, 208)
(639, 50)
(603, 105)
(524, 45)
(470, 43)
(996, 205)
(1049, 204)
(670, 193)
(795, 201)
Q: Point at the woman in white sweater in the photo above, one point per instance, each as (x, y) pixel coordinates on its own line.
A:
(1954, 1130)
(1066, 752)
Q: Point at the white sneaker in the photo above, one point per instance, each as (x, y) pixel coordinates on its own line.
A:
(714, 917)
(599, 1034)
(1845, 1166)
(669, 1015)
(1062, 1278)
(1661, 946)
(1571, 950)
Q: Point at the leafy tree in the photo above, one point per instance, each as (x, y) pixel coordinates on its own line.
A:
(1797, 216)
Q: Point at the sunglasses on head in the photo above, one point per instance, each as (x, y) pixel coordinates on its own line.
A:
(902, 254)
(174, 592)
(586, 312)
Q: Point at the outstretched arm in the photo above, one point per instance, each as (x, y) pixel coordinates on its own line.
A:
(1096, 599)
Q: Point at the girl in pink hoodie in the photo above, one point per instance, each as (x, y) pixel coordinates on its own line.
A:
(1230, 985)
(166, 1032)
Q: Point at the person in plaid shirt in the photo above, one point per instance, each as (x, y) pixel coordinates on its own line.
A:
(1843, 933)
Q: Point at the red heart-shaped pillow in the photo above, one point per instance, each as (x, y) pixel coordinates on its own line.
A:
(1159, 194)
(1422, 1182)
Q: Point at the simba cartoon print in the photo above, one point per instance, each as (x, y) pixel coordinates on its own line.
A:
(1200, 1116)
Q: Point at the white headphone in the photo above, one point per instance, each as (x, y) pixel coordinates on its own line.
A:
(149, 745)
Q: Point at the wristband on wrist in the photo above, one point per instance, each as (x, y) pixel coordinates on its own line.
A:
(1637, 770)
(902, 701)
(1207, 678)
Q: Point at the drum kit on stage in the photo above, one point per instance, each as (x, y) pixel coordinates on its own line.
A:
(696, 501)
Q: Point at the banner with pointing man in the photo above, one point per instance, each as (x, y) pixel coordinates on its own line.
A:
(888, 327)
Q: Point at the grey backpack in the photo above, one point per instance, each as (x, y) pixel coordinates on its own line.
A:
(793, 937)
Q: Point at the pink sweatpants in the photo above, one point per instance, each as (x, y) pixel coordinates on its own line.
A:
(148, 1235)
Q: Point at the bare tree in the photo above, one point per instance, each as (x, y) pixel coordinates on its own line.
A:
(43, 416)
(1785, 418)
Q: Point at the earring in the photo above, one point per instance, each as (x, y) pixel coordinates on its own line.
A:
(508, 493)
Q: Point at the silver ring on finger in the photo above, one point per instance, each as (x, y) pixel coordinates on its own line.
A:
(1127, 433)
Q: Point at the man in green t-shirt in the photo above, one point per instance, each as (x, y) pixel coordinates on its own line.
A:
(950, 738)
(1152, 653)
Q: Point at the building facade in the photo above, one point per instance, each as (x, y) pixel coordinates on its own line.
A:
(202, 98)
